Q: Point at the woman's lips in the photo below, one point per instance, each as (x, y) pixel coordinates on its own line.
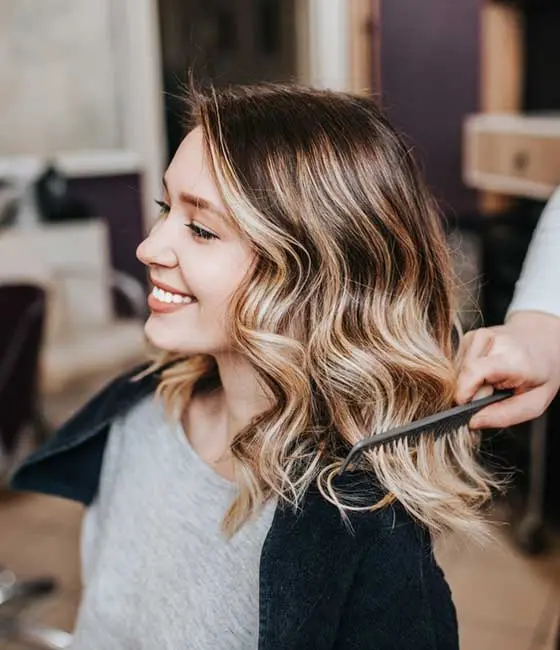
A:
(167, 287)
(164, 302)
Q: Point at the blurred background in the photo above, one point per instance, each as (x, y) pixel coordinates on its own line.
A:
(89, 117)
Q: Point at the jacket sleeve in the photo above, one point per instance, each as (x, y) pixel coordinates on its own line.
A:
(400, 598)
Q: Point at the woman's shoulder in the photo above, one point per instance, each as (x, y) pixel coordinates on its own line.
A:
(396, 579)
(366, 517)
(370, 511)
(382, 555)
(399, 584)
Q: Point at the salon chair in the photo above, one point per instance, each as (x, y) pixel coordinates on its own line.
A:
(22, 309)
(16, 598)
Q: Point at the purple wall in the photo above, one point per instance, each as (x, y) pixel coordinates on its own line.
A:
(430, 82)
(118, 199)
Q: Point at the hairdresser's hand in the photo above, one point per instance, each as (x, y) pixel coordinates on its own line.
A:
(523, 354)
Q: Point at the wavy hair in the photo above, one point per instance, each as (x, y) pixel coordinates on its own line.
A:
(348, 314)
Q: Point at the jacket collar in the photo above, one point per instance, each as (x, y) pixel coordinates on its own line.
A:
(81, 442)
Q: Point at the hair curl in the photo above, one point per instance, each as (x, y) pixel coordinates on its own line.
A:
(348, 314)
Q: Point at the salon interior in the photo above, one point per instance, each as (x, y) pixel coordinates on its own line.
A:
(89, 116)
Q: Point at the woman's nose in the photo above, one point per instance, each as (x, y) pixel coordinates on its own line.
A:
(156, 250)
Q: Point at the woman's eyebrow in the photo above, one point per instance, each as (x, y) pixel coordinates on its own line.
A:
(197, 201)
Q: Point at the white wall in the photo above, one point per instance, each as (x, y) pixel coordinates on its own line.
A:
(328, 56)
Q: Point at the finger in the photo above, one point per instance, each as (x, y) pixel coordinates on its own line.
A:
(477, 344)
(516, 409)
(474, 345)
(484, 391)
(496, 369)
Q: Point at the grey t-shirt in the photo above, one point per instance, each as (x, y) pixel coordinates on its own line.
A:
(158, 572)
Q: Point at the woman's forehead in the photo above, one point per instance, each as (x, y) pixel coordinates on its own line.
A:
(189, 170)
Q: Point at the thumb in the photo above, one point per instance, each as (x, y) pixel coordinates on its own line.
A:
(514, 410)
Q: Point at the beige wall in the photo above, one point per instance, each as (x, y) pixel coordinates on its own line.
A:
(57, 77)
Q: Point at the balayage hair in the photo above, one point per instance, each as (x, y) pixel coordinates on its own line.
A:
(348, 313)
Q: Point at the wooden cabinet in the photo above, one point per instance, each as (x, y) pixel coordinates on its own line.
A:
(513, 154)
(512, 147)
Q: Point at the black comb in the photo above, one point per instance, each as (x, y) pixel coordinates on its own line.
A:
(439, 425)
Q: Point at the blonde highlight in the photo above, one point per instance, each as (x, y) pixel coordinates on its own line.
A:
(348, 314)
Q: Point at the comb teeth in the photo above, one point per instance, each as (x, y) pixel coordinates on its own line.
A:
(437, 430)
(440, 424)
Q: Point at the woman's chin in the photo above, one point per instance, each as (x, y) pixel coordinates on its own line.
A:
(160, 336)
(172, 339)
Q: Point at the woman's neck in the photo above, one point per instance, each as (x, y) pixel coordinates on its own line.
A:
(242, 395)
(214, 417)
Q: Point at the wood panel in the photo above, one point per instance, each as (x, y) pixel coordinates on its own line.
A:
(501, 62)
(360, 23)
(502, 58)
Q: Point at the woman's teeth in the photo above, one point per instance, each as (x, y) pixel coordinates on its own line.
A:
(166, 296)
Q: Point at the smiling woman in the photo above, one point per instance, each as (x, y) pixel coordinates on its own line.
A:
(317, 257)
(195, 257)
(302, 300)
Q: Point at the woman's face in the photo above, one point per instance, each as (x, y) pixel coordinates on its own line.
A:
(195, 257)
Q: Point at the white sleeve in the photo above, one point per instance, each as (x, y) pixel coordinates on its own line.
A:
(538, 287)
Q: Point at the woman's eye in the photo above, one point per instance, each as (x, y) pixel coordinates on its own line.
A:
(164, 208)
(199, 232)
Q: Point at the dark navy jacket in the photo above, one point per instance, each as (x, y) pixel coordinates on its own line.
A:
(322, 586)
